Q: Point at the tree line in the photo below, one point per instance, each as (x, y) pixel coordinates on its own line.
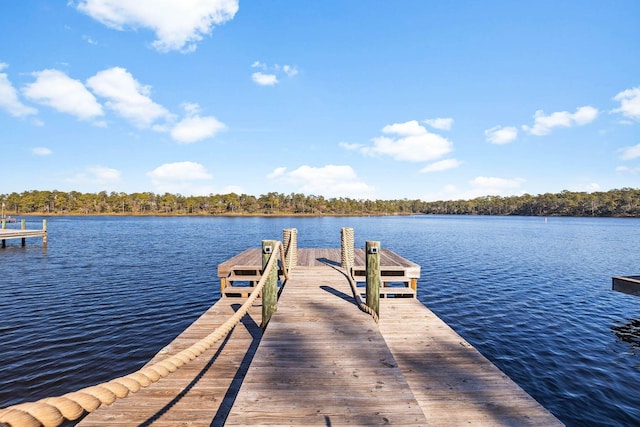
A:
(623, 202)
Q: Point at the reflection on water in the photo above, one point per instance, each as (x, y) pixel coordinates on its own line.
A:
(629, 333)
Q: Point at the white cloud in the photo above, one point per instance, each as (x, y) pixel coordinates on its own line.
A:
(192, 129)
(350, 146)
(90, 40)
(329, 181)
(629, 103)
(440, 123)
(409, 142)
(96, 175)
(277, 172)
(104, 175)
(479, 187)
(290, 70)
(588, 188)
(180, 171)
(178, 24)
(495, 186)
(55, 89)
(270, 73)
(543, 125)
(9, 97)
(264, 79)
(41, 151)
(127, 97)
(630, 153)
(187, 178)
(501, 135)
(440, 166)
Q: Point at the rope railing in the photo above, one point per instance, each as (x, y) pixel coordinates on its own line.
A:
(356, 295)
(52, 411)
(347, 259)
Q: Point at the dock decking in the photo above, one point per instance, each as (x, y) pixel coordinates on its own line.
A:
(321, 361)
(21, 233)
(399, 276)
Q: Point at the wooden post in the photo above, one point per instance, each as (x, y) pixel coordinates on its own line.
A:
(373, 275)
(4, 225)
(223, 284)
(23, 226)
(44, 229)
(270, 289)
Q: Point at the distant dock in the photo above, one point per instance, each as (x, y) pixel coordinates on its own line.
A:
(22, 233)
(317, 357)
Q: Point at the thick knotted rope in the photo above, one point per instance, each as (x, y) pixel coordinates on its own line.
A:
(52, 411)
(356, 295)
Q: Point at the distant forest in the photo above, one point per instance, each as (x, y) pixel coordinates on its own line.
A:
(624, 202)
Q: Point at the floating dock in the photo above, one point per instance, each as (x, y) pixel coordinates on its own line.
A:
(321, 360)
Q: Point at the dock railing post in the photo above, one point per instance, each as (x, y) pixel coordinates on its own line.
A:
(270, 289)
(290, 246)
(346, 248)
(372, 264)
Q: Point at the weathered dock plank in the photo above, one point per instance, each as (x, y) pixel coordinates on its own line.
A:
(317, 257)
(323, 362)
(453, 383)
(202, 391)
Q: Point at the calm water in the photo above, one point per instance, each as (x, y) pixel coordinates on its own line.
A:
(533, 296)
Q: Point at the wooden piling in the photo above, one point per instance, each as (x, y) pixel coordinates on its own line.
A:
(44, 229)
(372, 266)
(23, 226)
(270, 289)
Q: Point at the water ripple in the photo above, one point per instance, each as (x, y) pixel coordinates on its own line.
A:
(533, 297)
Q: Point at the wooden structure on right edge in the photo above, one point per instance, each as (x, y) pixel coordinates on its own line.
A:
(626, 284)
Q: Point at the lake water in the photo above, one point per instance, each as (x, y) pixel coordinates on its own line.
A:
(535, 297)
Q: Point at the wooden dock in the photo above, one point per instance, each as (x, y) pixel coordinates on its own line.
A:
(22, 233)
(321, 361)
(399, 276)
(626, 284)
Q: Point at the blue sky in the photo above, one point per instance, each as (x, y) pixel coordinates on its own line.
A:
(434, 100)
